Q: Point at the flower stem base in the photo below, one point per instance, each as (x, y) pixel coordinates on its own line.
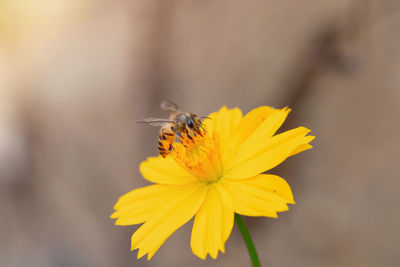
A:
(247, 239)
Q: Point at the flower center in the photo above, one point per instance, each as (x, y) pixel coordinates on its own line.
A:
(200, 155)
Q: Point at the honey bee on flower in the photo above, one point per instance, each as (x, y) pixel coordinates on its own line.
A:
(180, 124)
(211, 179)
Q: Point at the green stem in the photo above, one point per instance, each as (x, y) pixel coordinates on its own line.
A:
(247, 239)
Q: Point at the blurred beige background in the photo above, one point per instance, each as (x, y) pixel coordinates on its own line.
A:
(75, 74)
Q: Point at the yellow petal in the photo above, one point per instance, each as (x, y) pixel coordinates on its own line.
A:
(301, 148)
(252, 160)
(171, 215)
(258, 124)
(141, 204)
(213, 223)
(223, 122)
(261, 133)
(261, 195)
(165, 171)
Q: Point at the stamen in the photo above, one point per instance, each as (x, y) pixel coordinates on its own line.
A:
(199, 155)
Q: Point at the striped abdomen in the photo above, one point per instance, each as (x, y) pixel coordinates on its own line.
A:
(165, 141)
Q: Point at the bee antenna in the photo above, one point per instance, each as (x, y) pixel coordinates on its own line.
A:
(206, 118)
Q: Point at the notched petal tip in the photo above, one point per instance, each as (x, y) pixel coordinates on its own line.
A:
(201, 256)
(287, 109)
(214, 254)
(223, 108)
(141, 253)
(150, 255)
(119, 203)
(304, 145)
(120, 222)
(114, 215)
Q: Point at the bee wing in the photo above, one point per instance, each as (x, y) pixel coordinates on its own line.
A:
(169, 106)
(155, 121)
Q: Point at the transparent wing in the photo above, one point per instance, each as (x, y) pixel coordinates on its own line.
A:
(155, 121)
(169, 106)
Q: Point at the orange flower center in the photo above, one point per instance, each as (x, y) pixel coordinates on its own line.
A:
(200, 155)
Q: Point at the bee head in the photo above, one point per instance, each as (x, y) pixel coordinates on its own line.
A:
(193, 122)
(190, 123)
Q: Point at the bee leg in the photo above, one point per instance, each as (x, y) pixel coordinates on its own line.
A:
(191, 138)
(188, 135)
(178, 134)
(171, 148)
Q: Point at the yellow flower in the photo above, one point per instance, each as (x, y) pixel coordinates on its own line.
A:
(212, 178)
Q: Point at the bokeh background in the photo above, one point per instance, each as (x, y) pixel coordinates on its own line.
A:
(74, 74)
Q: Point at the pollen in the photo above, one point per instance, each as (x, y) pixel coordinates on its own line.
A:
(200, 155)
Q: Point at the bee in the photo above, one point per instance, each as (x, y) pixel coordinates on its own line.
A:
(178, 125)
